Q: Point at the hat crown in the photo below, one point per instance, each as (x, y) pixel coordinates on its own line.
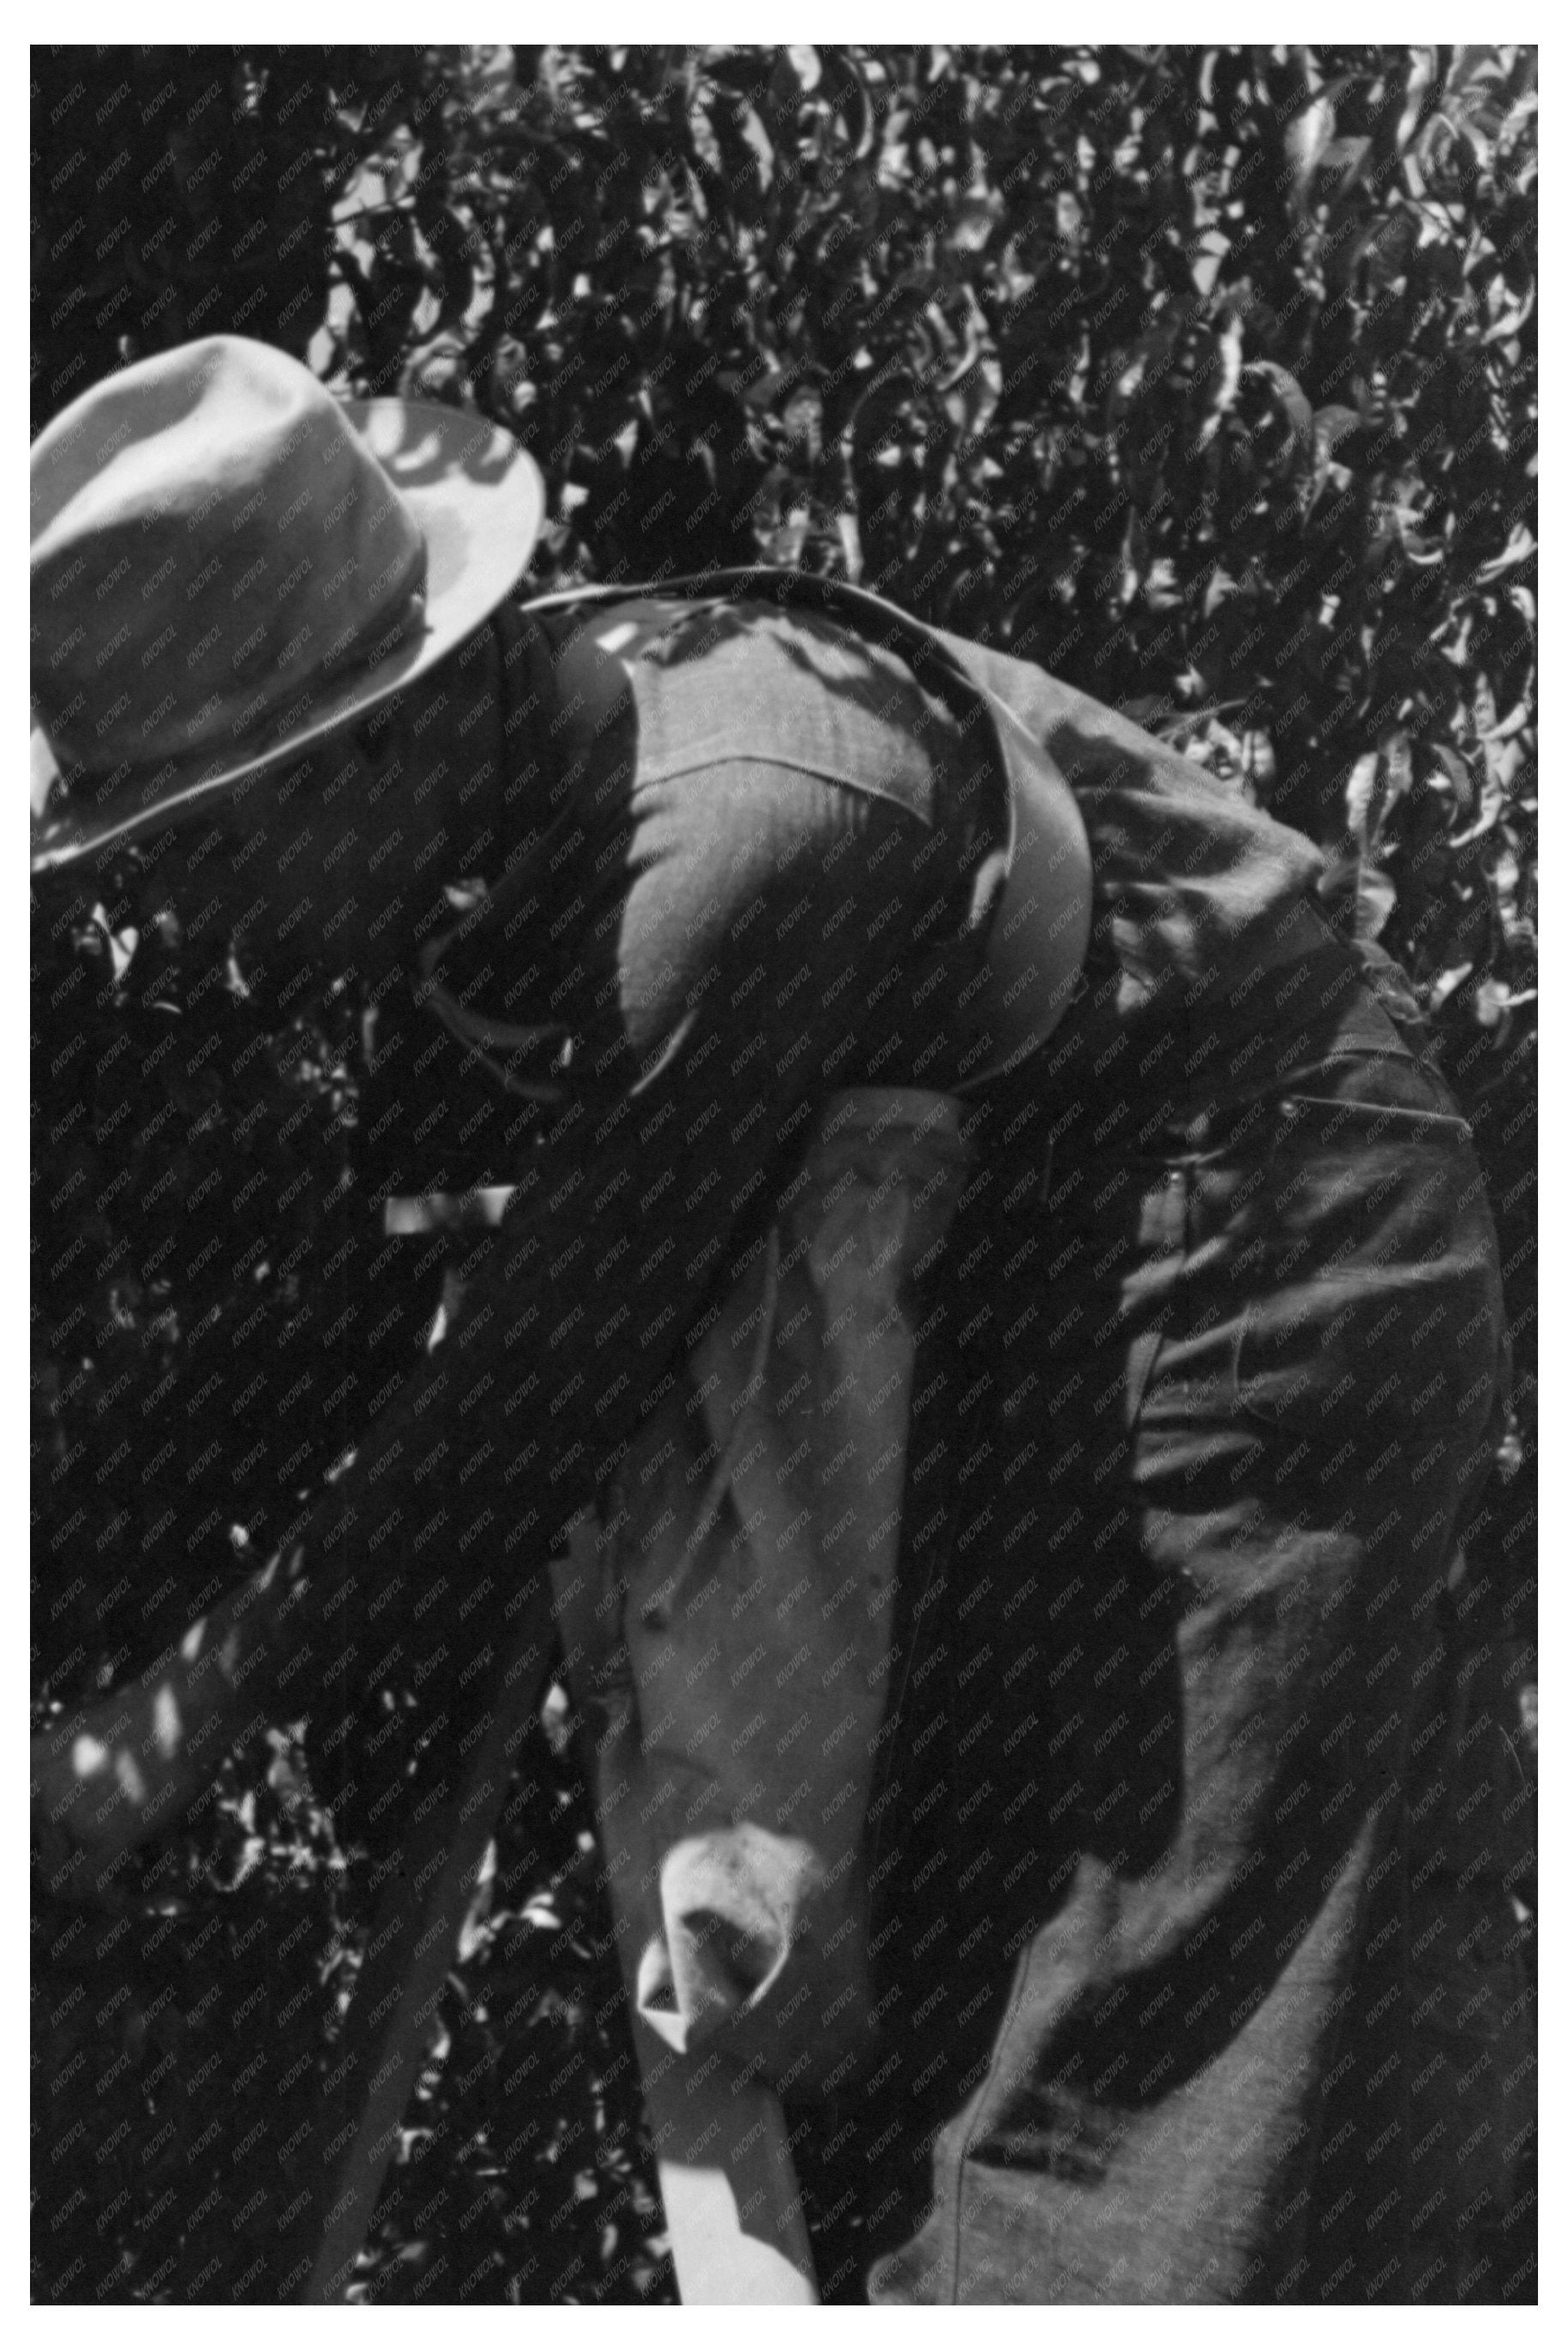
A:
(230, 564)
(209, 536)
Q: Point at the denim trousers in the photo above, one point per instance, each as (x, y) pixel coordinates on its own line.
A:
(1250, 1373)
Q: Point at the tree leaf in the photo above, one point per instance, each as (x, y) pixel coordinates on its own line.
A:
(1361, 794)
(1331, 425)
(1305, 139)
(1520, 548)
(1455, 775)
(1291, 401)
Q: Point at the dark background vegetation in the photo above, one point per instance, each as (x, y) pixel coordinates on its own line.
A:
(1206, 376)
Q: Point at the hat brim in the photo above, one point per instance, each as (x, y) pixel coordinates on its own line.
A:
(479, 500)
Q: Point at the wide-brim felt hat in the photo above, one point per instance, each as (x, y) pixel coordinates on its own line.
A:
(230, 564)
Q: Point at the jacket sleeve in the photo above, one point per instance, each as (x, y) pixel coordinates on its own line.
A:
(766, 936)
(770, 936)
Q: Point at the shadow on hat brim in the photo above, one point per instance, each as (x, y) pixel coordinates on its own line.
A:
(479, 500)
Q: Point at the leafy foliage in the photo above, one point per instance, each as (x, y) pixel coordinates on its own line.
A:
(1206, 376)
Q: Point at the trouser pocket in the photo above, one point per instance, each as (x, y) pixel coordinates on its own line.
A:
(1367, 1287)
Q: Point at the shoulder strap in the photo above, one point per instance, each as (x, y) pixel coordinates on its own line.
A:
(1038, 933)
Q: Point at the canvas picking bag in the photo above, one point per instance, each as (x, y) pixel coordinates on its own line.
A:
(729, 1609)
